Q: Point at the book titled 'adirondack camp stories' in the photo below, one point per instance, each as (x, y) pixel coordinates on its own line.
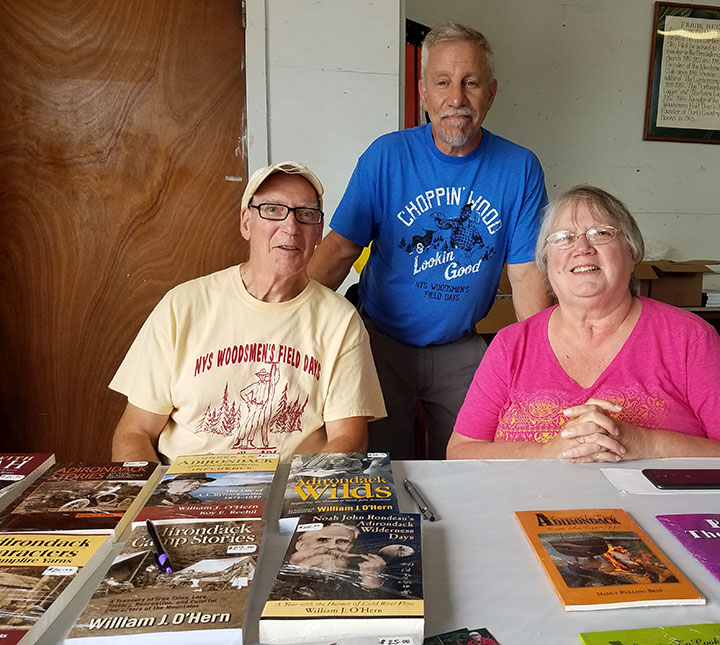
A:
(199, 596)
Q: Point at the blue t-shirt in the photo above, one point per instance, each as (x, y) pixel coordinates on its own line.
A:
(442, 227)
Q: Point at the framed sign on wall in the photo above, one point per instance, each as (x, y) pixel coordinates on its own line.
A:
(683, 96)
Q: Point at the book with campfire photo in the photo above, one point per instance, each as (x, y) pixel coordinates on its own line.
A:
(600, 559)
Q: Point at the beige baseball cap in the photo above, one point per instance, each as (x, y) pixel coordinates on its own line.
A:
(289, 167)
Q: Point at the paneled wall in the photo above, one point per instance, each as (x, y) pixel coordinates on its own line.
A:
(119, 123)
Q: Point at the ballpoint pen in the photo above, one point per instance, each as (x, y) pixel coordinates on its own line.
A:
(424, 507)
(162, 559)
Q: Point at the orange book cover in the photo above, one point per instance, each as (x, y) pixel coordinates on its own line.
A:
(601, 559)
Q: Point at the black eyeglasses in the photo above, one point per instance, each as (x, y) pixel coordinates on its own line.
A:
(279, 212)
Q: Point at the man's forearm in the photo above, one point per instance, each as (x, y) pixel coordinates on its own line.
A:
(133, 446)
(347, 435)
(332, 260)
(528, 290)
(136, 435)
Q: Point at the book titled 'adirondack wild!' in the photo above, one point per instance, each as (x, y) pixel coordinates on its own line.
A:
(102, 497)
(348, 578)
(337, 482)
(39, 574)
(213, 486)
(600, 558)
(201, 600)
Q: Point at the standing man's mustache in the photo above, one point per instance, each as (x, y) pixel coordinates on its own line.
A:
(462, 111)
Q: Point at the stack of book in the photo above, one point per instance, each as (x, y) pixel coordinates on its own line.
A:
(19, 470)
(57, 533)
(352, 573)
(184, 574)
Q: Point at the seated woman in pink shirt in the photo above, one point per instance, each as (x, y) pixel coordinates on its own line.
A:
(603, 376)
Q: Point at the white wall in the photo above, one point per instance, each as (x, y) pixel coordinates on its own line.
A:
(326, 73)
(572, 84)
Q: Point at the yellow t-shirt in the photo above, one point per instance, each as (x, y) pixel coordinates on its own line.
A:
(236, 374)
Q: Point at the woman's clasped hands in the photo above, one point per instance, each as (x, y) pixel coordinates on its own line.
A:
(591, 434)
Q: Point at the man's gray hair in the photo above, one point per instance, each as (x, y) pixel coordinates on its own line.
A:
(455, 32)
(601, 204)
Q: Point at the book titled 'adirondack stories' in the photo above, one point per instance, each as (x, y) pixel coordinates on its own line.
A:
(102, 497)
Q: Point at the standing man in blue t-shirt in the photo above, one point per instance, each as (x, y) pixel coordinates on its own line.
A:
(445, 206)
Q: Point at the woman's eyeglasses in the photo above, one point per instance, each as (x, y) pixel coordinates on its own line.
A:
(595, 236)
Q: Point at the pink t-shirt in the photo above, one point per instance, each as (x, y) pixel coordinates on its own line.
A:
(666, 376)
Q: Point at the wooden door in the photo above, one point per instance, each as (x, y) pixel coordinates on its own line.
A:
(119, 123)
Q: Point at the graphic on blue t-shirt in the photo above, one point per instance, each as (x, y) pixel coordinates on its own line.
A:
(455, 233)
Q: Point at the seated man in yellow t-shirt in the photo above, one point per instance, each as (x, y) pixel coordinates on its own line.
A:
(257, 356)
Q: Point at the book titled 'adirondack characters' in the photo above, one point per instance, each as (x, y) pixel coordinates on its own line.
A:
(39, 574)
(600, 558)
(348, 578)
(232, 486)
(699, 533)
(337, 482)
(201, 600)
(102, 497)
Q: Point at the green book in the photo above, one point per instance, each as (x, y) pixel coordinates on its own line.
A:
(708, 634)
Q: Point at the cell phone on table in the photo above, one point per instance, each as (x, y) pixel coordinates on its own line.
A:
(683, 478)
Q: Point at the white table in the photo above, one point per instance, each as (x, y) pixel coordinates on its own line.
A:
(479, 569)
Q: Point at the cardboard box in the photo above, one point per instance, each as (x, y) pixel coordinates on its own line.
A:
(677, 283)
(501, 314)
